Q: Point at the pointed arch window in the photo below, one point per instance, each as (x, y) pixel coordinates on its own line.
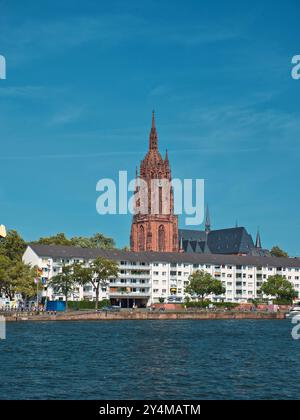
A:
(141, 238)
(161, 238)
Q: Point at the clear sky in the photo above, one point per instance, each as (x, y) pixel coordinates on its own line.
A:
(84, 76)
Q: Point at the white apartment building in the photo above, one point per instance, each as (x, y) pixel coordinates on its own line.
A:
(146, 277)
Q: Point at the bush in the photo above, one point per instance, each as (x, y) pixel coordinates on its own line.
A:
(282, 302)
(87, 304)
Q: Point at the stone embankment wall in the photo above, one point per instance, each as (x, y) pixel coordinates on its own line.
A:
(135, 315)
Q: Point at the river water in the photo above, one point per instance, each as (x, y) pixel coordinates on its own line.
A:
(237, 359)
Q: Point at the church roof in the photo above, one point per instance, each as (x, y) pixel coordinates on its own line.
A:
(222, 241)
(230, 241)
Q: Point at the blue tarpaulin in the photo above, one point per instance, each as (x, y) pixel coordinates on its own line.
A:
(56, 305)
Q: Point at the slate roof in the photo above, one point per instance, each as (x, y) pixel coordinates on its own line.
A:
(55, 251)
(230, 241)
(222, 241)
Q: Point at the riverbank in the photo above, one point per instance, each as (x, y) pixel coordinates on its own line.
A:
(143, 315)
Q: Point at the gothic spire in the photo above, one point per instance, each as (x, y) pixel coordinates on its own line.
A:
(167, 156)
(258, 240)
(153, 134)
(207, 221)
(181, 244)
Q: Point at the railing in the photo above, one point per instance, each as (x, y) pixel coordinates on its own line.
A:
(128, 284)
(135, 275)
(129, 294)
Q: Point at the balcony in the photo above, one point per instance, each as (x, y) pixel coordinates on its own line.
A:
(134, 267)
(129, 284)
(136, 275)
(120, 294)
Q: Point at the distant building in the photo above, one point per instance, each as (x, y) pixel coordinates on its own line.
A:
(147, 277)
(230, 241)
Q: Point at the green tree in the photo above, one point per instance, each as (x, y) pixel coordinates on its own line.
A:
(279, 287)
(96, 241)
(13, 246)
(16, 277)
(21, 278)
(202, 284)
(59, 239)
(98, 274)
(5, 264)
(64, 282)
(278, 252)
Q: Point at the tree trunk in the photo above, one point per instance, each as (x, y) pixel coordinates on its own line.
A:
(97, 298)
(66, 296)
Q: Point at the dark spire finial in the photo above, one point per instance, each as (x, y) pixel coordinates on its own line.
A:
(258, 240)
(207, 221)
(181, 244)
(167, 156)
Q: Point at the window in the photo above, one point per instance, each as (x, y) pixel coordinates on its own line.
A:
(161, 238)
(141, 241)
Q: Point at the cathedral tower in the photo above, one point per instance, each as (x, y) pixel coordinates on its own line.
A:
(154, 226)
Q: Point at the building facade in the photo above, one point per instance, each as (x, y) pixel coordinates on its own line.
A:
(154, 226)
(146, 277)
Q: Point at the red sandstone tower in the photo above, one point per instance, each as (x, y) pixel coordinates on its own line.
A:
(155, 229)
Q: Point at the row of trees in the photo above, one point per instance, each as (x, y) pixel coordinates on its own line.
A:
(96, 241)
(202, 284)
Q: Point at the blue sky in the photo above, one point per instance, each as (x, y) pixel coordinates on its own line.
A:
(84, 76)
